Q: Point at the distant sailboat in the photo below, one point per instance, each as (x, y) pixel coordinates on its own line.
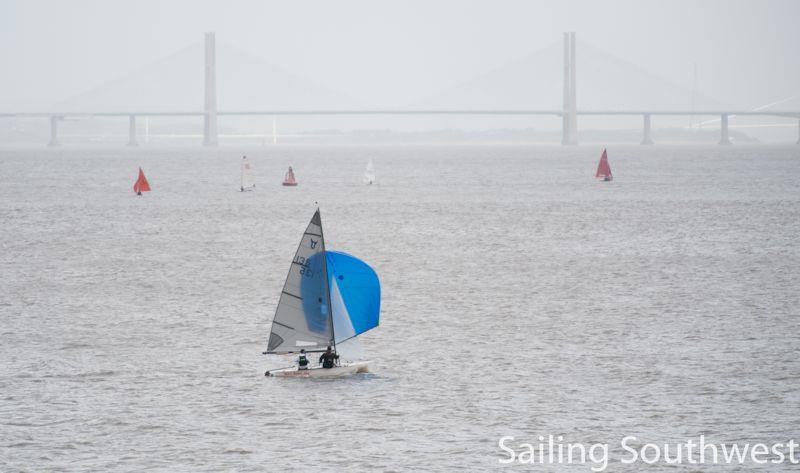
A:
(247, 177)
(288, 179)
(329, 298)
(604, 169)
(369, 173)
(141, 184)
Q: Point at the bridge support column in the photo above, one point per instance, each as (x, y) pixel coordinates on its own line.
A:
(724, 139)
(54, 131)
(646, 139)
(569, 123)
(798, 131)
(210, 122)
(132, 131)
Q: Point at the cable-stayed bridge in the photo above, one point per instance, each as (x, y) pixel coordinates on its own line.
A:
(568, 112)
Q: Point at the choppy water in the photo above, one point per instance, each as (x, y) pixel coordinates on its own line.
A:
(520, 297)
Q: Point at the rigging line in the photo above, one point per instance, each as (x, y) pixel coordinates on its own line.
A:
(327, 282)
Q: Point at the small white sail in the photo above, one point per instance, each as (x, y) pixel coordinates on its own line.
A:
(369, 173)
(247, 176)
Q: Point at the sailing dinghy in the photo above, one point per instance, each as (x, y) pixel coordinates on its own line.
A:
(141, 184)
(328, 299)
(604, 169)
(247, 177)
(369, 173)
(288, 179)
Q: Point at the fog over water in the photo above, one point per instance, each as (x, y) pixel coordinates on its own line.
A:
(360, 54)
(520, 297)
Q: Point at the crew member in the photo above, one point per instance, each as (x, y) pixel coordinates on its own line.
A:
(328, 358)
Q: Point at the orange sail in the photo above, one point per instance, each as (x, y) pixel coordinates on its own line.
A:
(604, 169)
(289, 179)
(141, 184)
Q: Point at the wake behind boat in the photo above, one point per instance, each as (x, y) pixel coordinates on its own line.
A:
(328, 299)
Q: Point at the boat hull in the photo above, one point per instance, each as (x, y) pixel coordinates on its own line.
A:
(290, 184)
(343, 370)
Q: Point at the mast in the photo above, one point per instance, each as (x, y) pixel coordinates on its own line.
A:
(327, 282)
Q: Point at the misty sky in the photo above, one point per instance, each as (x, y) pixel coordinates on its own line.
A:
(399, 51)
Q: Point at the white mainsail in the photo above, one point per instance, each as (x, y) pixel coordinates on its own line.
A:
(247, 176)
(328, 299)
(302, 318)
(369, 173)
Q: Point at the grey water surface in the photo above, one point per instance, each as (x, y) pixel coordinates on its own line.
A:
(520, 298)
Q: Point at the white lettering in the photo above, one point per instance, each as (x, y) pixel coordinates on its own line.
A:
(734, 451)
(777, 450)
(762, 450)
(530, 453)
(634, 453)
(690, 451)
(792, 444)
(703, 447)
(655, 449)
(510, 451)
(601, 459)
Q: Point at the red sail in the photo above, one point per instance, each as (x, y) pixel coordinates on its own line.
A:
(289, 179)
(141, 184)
(603, 169)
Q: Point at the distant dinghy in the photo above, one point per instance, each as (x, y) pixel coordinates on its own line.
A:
(369, 173)
(247, 176)
(328, 299)
(141, 184)
(604, 169)
(288, 179)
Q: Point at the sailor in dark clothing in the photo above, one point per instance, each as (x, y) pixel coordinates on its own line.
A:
(328, 358)
(302, 360)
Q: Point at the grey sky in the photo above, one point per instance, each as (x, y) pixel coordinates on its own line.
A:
(400, 51)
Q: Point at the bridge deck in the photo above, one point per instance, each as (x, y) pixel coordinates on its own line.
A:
(557, 113)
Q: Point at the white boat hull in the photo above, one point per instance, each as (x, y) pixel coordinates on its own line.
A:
(345, 369)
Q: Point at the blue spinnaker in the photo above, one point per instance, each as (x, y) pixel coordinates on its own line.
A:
(355, 295)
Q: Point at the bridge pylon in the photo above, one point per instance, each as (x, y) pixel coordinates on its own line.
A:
(646, 138)
(210, 119)
(132, 131)
(724, 137)
(569, 117)
(54, 131)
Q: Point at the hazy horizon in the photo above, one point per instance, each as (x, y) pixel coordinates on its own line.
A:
(399, 54)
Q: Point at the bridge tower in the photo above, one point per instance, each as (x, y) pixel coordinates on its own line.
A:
(724, 138)
(646, 138)
(132, 131)
(210, 107)
(569, 125)
(54, 131)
